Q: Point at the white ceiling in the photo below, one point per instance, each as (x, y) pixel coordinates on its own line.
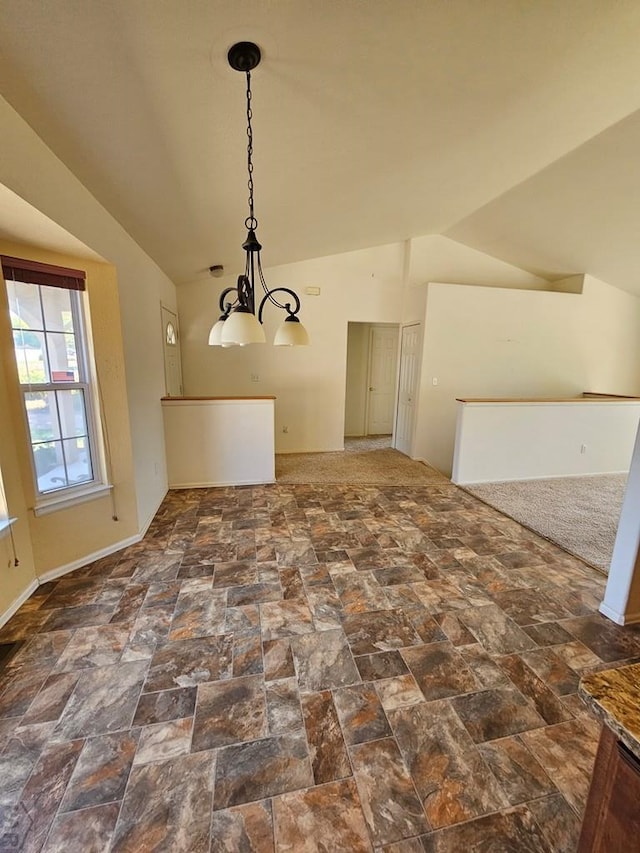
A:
(509, 125)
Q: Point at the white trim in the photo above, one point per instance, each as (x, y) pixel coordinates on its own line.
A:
(210, 485)
(424, 462)
(66, 500)
(186, 402)
(619, 618)
(17, 603)
(52, 574)
(538, 477)
(147, 524)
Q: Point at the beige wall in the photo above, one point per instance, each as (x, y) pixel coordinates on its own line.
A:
(437, 258)
(308, 382)
(125, 309)
(14, 580)
(68, 535)
(489, 342)
(376, 285)
(33, 172)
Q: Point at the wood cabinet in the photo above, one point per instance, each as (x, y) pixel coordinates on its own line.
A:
(612, 817)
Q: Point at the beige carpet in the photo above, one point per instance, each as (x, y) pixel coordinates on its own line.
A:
(383, 467)
(356, 444)
(580, 514)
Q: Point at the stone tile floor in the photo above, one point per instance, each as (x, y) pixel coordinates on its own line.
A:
(301, 668)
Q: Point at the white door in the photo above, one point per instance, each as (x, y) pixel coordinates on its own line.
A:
(407, 388)
(383, 360)
(171, 345)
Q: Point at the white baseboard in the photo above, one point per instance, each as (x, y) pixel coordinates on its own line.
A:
(147, 524)
(58, 572)
(53, 574)
(210, 485)
(619, 618)
(17, 603)
(537, 477)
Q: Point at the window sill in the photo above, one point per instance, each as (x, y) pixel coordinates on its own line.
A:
(68, 500)
(5, 526)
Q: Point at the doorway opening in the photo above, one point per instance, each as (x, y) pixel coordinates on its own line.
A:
(372, 373)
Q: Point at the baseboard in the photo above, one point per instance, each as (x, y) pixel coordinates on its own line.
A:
(147, 524)
(428, 464)
(17, 603)
(178, 486)
(537, 477)
(619, 618)
(53, 574)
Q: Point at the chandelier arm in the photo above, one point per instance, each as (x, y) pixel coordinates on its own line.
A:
(245, 293)
(269, 293)
(286, 307)
(226, 307)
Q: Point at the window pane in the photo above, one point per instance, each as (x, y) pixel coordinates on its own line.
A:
(50, 472)
(76, 451)
(73, 421)
(31, 357)
(42, 415)
(24, 305)
(62, 357)
(50, 353)
(57, 309)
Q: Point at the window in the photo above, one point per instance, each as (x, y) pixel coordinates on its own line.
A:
(47, 320)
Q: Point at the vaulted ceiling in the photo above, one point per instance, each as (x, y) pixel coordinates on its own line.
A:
(510, 125)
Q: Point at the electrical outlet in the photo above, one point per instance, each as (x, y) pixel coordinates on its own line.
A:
(255, 377)
(285, 429)
(583, 448)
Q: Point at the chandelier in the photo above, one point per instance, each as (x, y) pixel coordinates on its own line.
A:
(238, 323)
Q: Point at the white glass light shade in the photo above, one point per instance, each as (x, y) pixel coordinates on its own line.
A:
(242, 327)
(215, 335)
(291, 333)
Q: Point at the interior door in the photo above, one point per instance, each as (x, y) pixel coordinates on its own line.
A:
(407, 388)
(383, 360)
(172, 363)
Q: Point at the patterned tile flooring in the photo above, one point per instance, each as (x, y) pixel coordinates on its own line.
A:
(307, 668)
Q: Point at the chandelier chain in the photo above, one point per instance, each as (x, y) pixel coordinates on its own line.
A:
(250, 151)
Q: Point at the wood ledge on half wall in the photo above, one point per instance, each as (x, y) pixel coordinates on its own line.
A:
(187, 399)
(587, 397)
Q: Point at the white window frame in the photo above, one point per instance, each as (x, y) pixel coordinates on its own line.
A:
(68, 495)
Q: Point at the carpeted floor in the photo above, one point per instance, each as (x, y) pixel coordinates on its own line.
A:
(382, 467)
(358, 443)
(580, 514)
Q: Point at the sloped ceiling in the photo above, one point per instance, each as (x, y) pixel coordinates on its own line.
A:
(510, 126)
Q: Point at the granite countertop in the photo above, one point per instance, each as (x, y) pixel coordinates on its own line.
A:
(614, 696)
